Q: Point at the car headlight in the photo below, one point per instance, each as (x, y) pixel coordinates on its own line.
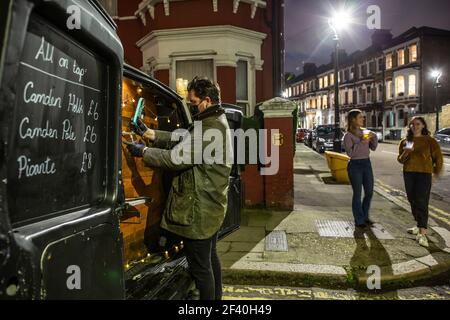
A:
(321, 140)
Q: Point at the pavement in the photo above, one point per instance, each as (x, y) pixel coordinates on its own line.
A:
(316, 245)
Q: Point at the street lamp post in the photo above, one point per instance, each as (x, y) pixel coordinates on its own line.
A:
(437, 84)
(338, 21)
(337, 131)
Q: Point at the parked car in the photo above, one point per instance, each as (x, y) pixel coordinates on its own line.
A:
(443, 138)
(378, 132)
(308, 138)
(322, 138)
(300, 136)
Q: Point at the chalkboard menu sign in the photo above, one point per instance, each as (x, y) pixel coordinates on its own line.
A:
(58, 140)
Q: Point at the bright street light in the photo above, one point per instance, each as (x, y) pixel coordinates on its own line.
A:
(436, 73)
(339, 21)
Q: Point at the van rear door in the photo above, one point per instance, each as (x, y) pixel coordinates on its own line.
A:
(59, 162)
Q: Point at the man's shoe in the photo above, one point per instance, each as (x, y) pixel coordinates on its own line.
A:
(422, 239)
(370, 223)
(414, 231)
(361, 226)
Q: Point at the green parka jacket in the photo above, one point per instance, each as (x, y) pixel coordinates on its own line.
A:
(198, 198)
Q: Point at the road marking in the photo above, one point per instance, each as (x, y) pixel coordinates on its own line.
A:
(434, 212)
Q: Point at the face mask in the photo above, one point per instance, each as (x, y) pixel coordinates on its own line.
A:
(194, 108)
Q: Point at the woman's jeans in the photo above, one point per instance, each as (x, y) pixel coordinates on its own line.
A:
(361, 175)
(418, 189)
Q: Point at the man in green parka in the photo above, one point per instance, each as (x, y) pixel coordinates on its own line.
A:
(197, 201)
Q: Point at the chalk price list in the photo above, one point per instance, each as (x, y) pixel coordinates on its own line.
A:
(63, 99)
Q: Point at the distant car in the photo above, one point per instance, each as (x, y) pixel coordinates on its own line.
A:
(300, 136)
(443, 138)
(322, 138)
(378, 132)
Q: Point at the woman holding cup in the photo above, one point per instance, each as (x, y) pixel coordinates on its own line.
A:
(357, 143)
(421, 157)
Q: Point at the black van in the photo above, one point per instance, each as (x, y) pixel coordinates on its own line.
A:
(63, 191)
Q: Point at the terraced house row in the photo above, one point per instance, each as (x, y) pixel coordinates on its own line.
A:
(390, 80)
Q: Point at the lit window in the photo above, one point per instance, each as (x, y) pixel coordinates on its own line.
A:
(413, 53)
(331, 79)
(324, 101)
(388, 61)
(389, 90)
(412, 85)
(188, 69)
(325, 81)
(289, 92)
(399, 86)
(401, 57)
(320, 83)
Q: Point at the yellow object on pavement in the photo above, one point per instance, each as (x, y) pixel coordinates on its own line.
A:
(338, 163)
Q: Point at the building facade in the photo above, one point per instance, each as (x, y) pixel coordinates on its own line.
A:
(237, 43)
(390, 81)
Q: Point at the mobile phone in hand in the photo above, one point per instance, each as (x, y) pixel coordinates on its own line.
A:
(409, 145)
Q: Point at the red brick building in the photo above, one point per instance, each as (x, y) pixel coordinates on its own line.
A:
(238, 43)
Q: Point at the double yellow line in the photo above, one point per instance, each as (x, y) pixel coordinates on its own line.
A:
(434, 212)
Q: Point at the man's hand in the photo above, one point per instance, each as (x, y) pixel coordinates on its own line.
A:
(136, 149)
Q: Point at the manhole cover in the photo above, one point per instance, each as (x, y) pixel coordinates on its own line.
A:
(346, 229)
(276, 241)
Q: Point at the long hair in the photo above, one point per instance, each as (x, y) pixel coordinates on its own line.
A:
(425, 131)
(351, 117)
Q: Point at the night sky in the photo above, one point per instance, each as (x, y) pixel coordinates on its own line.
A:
(308, 38)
